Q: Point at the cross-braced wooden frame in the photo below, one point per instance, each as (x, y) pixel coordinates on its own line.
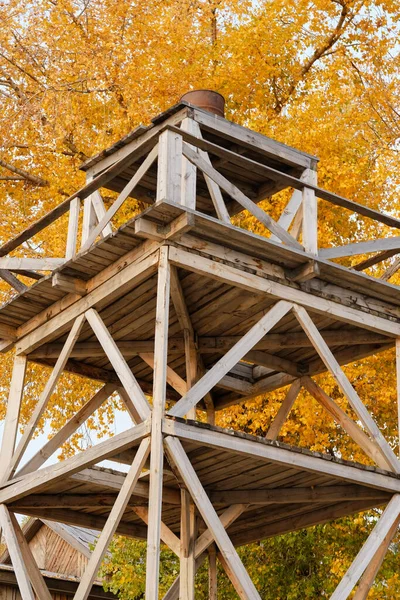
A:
(182, 372)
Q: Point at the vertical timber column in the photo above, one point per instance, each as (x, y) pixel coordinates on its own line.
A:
(212, 573)
(157, 451)
(188, 541)
(12, 416)
(188, 193)
(169, 176)
(310, 214)
(398, 383)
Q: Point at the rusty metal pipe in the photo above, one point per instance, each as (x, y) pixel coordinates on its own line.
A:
(209, 100)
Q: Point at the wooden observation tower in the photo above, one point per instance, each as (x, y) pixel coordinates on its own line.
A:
(182, 313)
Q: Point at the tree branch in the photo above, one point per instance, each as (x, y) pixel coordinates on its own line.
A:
(24, 174)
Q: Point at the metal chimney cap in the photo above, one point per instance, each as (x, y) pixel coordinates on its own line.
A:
(209, 100)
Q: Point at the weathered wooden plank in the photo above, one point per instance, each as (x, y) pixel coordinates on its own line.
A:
(297, 495)
(17, 557)
(333, 366)
(45, 396)
(248, 281)
(35, 576)
(375, 564)
(240, 197)
(169, 175)
(379, 245)
(187, 550)
(34, 264)
(367, 552)
(12, 415)
(243, 584)
(122, 369)
(310, 214)
(221, 368)
(354, 431)
(9, 278)
(268, 451)
(157, 450)
(73, 225)
(284, 411)
(113, 520)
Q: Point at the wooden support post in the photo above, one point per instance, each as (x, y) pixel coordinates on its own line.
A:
(214, 189)
(9, 278)
(368, 578)
(73, 224)
(212, 573)
(284, 410)
(12, 415)
(191, 352)
(310, 215)
(157, 450)
(246, 343)
(128, 189)
(35, 576)
(45, 396)
(68, 429)
(113, 520)
(100, 211)
(349, 426)
(16, 554)
(368, 551)
(203, 542)
(293, 212)
(89, 220)
(398, 383)
(189, 172)
(187, 555)
(169, 178)
(240, 578)
(114, 355)
(333, 366)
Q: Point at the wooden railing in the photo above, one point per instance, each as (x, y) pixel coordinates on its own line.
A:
(180, 153)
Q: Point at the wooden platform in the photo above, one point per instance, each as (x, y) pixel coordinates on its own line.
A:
(220, 311)
(284, 488)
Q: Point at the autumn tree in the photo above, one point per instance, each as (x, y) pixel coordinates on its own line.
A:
(322, 76)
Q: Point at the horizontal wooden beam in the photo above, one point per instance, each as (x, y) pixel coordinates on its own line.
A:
(332, 493)
(101, 478)
(212, 345)
(300, 521)
(34, 482)
(31, 264)
(81, 519)
(379, 245)
(271, 452)
(249, 281)
(69, 285)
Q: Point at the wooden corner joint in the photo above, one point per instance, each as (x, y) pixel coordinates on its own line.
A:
(305, 272)
(159, 232)
(70, 285)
